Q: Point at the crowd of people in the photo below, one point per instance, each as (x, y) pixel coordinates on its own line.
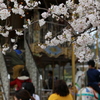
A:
(25, 90)
(60, 92)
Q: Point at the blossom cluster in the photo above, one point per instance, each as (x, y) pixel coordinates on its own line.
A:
(31, 4)
(6, 11)
(60, 39)
(87, 12)
(81, 49)
(81, 17)
(85, 39)
(17, 8)
(83, 14)
(5, 32)
(78, 18)
(83, 54)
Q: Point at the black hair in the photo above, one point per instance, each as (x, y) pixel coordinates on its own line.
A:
(24, 73)
(91, 63)
(61, 88)
(50, 72)
(29, 87)
(23, 95)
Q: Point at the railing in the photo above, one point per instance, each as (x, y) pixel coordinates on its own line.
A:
(4, 77)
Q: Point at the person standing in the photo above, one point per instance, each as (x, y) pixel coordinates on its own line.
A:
(50, 80)
(60, 92)
(93, 76)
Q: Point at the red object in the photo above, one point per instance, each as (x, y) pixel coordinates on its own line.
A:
(19, 82)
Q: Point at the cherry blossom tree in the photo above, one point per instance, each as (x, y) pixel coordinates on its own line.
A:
(80, 19)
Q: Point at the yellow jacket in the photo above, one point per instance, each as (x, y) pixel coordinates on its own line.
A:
(55, 96)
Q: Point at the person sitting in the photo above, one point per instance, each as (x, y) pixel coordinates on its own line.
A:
(22, 95)
(17, 61)
(93, 76)
(31, 89)
(19, 80)
(60, 92)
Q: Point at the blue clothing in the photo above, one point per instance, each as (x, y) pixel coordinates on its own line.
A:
(18, 51)
(93, 75)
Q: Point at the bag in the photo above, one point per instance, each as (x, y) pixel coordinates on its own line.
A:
(29, 87)
(20, 55)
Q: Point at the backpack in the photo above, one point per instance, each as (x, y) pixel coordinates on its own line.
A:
(29, 87)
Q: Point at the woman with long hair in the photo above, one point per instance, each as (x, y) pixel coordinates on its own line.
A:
(60, 92)
(22, 95)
